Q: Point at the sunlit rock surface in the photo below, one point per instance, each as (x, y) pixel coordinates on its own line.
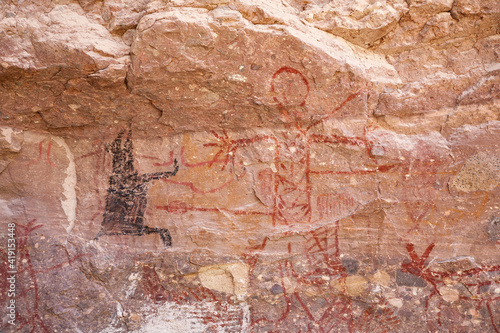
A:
(250, 166)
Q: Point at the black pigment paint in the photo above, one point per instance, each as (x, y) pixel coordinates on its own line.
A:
(126, 200)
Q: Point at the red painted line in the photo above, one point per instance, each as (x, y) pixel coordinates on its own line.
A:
(192, 165)
(48, 155)
(184, 209)
(491, 317)
(75, 258)
(382, 168)
(147, 157)
(306, 309)
(348, 99)
(40, 147)
(193, 188)
(87, 155)
(169, 163)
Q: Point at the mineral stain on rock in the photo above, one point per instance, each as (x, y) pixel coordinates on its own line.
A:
(481, 172)
(126, 199)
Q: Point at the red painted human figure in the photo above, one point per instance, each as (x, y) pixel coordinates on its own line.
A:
(288, 180)
(286, 188)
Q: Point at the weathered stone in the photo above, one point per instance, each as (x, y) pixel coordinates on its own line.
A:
(396, 302)
(409, 280)
(276, 289)
(250, 165)
(351, 265)
(480, 172)
(11, 140)
(459, 264)
(361, 22)
(381, 278)
(449, 294)
(228, 278)
(353, 285)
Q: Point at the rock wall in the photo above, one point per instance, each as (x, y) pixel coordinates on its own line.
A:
(250, 166)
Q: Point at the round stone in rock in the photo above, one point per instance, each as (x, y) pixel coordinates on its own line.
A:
(276, 289)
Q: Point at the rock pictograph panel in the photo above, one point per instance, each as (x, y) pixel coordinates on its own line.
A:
(249, 166)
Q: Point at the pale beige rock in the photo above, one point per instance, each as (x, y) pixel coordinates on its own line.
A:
(471, 114)
(122, 15)
(353, 285)
(160, 41)
(290, 284)
(471, 7)
(360, 22)
(58, 36)
(217, 278)
(382, 278)
(11, 140)
(228, 17)
(432, 6)
(458, 264)
(449, 294)
(267, 12)
(228, 278)
(396, 302)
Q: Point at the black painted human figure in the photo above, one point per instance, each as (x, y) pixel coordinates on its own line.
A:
(127, 194)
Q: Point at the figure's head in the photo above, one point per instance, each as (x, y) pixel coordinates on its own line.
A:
(115, 147)
(121, 150)
(290, 89)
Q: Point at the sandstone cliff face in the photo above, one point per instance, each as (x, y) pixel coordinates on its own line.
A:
(250, 166)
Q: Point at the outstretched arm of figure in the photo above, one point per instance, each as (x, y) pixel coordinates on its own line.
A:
(160, 175)
(331, 113)
(340, 139)
(352, 141)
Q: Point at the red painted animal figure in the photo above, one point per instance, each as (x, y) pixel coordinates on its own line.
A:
(307, 302)
(473, 279)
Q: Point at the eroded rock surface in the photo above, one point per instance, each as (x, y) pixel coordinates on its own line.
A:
(250, 166)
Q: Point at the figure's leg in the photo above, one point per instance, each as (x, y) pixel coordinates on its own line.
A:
(166, 237)
(164, 234)
(99, 234)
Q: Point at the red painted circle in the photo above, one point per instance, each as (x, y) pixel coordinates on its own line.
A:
(291, 87)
